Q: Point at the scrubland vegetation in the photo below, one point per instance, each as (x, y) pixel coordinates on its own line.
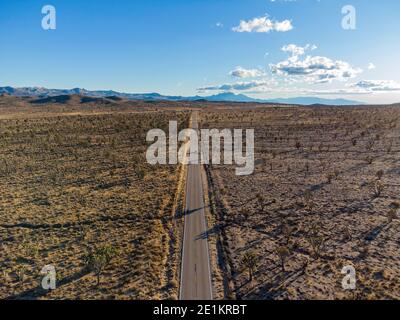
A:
(78, 194)
(325, 194)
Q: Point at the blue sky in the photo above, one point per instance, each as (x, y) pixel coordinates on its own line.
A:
(261, 48)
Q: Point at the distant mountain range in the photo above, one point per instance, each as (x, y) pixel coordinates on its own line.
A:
(222, 97)
(315, 100)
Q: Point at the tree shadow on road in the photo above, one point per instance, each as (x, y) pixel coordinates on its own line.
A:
(189, 212)
(210, 232)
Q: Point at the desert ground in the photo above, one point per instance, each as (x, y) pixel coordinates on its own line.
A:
(324, 195)
(78, 194)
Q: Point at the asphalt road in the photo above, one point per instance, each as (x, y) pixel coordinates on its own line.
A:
(195, 268)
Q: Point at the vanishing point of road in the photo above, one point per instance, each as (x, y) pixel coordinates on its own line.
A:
(195, 268)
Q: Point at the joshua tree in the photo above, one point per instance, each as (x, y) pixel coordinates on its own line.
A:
(263, 203)
(370, 145)
(316, 241)
(99, 259)
(380, 174)
(308, 200)
(249, 262)
(369, 160)
(140, 173)
(364, 250)
(287, 232)
(273, 156)
(378, 189)
(20, 273)
(389, 147)
(392, 215)
(337, 173)
(347, 234)
(329, 178)
(245, 214)
(306, 169)
(283, 253)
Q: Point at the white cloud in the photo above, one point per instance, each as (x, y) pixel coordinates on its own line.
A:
(371, 66)
(283, 26)
(240, 72)
(313, 69)
(377, 85)
(365, 87)
(293, 49)
(263, 25)
(219, 25)
(296, 50)
(268, 86)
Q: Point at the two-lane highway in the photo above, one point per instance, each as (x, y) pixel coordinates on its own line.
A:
(195, 268)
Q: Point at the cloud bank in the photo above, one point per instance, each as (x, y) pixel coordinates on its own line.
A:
(313, 69)
(240, 86)
(240, 72)
(377, 85)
